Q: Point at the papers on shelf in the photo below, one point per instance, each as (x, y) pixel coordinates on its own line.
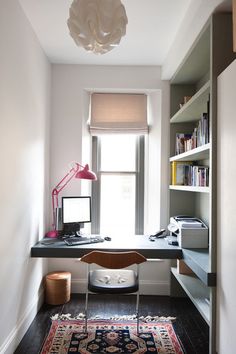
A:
(190, 224)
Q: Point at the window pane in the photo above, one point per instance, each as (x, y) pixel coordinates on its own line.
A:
(117, 204)
(118, 152)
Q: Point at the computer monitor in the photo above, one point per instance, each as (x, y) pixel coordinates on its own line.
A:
(75, 212)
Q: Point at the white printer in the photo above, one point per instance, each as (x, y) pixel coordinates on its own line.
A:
(191, 232)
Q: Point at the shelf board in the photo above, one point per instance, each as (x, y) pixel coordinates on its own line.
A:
(190, 189)
(199, 261)
(197, 292)
(200, 256)
(199, 153)
(193, 109)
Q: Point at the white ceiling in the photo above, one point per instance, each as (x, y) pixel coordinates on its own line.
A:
(152, 25)
(151, 31)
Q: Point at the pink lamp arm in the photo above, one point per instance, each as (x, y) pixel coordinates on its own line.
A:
(55, 192)
(65, 180)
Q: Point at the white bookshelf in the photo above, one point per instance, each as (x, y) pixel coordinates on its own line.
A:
(196, 77)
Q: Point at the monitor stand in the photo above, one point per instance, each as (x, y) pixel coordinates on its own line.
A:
(72, 229)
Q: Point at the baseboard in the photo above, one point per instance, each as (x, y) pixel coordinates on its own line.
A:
(17, 333)
(146, 287)
(155, 287)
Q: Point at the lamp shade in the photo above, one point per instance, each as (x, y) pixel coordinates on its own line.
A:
(86, 173)
(97, 25)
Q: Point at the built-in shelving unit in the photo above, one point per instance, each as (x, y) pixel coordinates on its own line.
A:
(193, 94)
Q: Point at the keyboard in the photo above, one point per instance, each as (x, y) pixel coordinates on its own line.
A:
(83, 240)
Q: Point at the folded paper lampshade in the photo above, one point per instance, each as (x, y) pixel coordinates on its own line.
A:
(97, 25)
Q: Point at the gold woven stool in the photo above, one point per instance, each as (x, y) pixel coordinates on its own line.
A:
(57, 288)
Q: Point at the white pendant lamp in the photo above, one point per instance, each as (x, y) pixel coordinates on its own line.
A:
(97, 25)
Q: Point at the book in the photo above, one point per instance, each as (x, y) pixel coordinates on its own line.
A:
(180, 142)
(180, 172)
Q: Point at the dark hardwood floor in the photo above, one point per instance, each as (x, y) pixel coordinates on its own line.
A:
(190, 328)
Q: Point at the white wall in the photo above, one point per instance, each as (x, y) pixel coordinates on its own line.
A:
(24, 113)
(226, 210)
(70, 87)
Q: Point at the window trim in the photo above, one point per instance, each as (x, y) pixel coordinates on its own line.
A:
(139, 185)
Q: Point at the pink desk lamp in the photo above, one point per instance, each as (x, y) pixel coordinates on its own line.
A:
(77, 171)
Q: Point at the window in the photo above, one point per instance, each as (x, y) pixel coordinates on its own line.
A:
(118, 195)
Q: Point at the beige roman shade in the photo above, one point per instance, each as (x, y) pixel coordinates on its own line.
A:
(118, 113)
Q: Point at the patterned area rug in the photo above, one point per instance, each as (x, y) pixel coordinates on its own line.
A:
(106, 336)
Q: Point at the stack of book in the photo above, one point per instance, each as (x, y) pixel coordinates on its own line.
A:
(202, 131)
(200, 176)
(199, 136)
(180, 172)
(182, 142)
(184, 173)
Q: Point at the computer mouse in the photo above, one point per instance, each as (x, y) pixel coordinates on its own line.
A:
(107, 238)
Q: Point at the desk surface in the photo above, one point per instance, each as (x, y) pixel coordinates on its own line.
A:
(198, 260)
(157, 249)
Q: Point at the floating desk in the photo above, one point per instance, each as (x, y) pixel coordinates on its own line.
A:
(140, 243)
(158, 249)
